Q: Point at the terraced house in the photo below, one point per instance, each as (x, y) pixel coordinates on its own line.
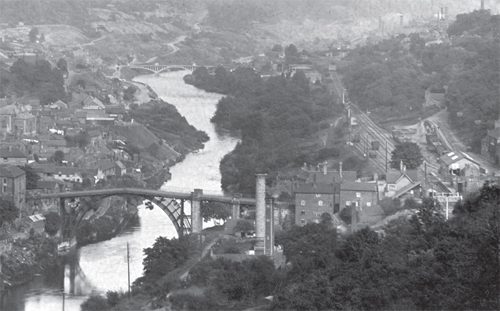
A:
(13, 185)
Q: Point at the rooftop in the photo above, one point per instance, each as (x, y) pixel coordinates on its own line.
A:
(358, 186)
(451, 157)
(11, 171)
(11, 152)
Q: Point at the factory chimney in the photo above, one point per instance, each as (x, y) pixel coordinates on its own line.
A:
(401, 20)
(482, 4)
(340, 169)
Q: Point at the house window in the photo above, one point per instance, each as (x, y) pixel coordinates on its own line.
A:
(347, 203)
(302, 202)
(318, 214)
(4, 185)
(368, 204)
(303, 221)
(316, 221)
(320, 203)
(318, 195)
(302, 212)
(358, 194)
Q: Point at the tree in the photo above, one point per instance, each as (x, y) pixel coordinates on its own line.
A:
(33, 34)
(52, 223)
(409, 153)
(277, 48)
(31, 177)
(63, 66)
(8, 211)
(243, 226)
(58, 157)
(215, 210)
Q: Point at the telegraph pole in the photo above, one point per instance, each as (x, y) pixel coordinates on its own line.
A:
(386, 156)
(128, 271)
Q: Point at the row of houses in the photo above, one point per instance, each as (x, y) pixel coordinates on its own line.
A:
(28, 117)
(320, 190)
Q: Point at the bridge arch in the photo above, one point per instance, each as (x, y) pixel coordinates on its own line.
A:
(172, 203)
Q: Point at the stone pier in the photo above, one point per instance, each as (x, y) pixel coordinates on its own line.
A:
(260, 213)
(196, 219)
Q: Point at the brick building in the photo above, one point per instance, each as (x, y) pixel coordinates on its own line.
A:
(312, 200)
(13, 185)
(360, 194)
(490, 144)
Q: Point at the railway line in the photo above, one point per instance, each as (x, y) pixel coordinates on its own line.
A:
(372, 132)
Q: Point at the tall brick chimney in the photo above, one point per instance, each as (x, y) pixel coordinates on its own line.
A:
(340, 169)
(325, 168)
(260, 212)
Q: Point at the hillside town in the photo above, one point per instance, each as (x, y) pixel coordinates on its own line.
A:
(349, 152)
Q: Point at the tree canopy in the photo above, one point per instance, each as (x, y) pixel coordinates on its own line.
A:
(8, 211)
(273, 115)
(409, 153)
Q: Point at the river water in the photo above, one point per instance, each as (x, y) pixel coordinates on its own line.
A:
(103, 266)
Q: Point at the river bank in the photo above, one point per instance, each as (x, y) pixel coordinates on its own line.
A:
(29, 257)
(101, 266)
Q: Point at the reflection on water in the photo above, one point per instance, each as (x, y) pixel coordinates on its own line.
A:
(103, 266)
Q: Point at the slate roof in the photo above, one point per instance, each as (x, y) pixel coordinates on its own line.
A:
(315, 188)
(331, 177)
(12, 152)
(10, 171)
(106, 164)
(495, 133)
(393, 176)
(407, 188)
(451, 157)
(44, 168)
(358, 186)
(66, 170)
(46, 184)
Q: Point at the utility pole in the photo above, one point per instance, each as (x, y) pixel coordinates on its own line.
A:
(386, 156)
(128, 271)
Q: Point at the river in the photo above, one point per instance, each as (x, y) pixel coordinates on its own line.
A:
(103, 266)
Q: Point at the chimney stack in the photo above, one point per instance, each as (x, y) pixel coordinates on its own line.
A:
(401, 165)
(340, 169)
(401, 20)
(482, 4)
(404, 168)
(325, 168)
(260, 206)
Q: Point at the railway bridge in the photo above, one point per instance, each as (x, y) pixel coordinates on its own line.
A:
(157, 68)
(74, 206)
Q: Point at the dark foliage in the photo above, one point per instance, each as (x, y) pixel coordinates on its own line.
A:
(273, 115)
(424, 263)
(409, 153)
(31, 177)
(39, 79)
(52, 223)
(8, 211)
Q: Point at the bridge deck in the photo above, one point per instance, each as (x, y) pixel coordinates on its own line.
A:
(146, 193)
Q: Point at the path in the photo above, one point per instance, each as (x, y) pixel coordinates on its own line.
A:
(203, 254)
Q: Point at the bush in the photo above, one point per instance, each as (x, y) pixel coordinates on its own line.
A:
(390, 206)
(95, 303)
(346, 215)
(52, 223)
(113, 298)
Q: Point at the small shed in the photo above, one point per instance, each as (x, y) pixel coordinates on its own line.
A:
(37, 222)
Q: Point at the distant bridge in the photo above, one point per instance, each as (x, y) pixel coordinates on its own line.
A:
(75, 205)
(157, 68)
